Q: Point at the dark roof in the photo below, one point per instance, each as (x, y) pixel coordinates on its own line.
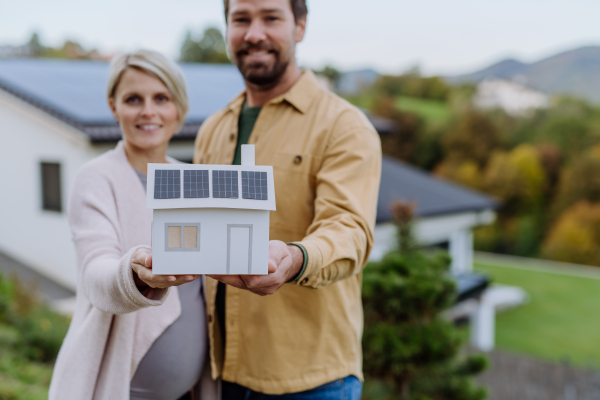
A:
(74, 92)
(433, 196)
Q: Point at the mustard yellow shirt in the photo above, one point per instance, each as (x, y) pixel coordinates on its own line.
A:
(326, 158)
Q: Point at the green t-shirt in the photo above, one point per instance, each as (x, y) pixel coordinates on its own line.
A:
(246, 123)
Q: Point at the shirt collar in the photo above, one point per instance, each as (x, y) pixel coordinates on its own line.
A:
(300, 95)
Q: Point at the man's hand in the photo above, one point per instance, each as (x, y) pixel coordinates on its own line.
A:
(144, 279)
(285, 262)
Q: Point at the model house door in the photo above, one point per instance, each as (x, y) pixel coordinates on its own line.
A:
(239, 249)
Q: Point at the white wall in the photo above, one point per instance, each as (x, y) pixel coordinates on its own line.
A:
(37, 238)
(456, 229)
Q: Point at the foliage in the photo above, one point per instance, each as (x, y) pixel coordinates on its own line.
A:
(538, 164)
(401, 143)
(209, 48)
(580, 181)
(70, 50)
(41, 330)
(412, 85)
(472, 137)
(575, 237)
(330, 73)
(406, 342)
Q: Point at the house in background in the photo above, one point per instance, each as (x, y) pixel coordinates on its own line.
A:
(446, 213)
(54, 118)
(211, 219)
(511, 96)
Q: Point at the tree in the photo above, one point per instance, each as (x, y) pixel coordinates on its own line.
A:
(210, 48)
(580, 181)
(330, 73)
(35, 45)
(473, 137)
(406, 341)
(402, 141)
(575, 237)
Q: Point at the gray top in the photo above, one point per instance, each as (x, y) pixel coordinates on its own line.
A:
(174, 363)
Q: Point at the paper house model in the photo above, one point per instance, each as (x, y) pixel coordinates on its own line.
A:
(211, 219)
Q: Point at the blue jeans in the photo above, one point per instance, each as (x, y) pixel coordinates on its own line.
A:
(349, 388)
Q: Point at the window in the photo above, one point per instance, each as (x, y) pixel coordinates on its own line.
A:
(225, 184)
(51, 187)
(195, 183)
(254, 185)
(182, 237)
(167, 184)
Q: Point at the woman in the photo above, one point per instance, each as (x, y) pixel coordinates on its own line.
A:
(133, 335)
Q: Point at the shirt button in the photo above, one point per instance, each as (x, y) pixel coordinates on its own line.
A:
(232, 137)
(297, 160)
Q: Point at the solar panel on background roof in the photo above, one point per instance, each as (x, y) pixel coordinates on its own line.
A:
(225, 184)
(254, 185)
(195, 184)
(167, 184)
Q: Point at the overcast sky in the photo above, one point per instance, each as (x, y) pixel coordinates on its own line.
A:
(441, 36)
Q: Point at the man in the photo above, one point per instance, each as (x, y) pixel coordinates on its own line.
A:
(305, 336)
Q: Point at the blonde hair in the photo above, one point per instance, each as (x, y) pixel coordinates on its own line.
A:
(156, 64)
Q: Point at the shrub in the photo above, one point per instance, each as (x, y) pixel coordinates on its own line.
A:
(41, 330)
(406, 341)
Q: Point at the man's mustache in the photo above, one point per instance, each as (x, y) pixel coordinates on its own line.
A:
(246, 47)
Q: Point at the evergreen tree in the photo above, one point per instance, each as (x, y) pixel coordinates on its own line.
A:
(407, 342)
(210, 48)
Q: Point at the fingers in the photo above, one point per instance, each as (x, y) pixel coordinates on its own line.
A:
(231, 280)
(141, 257)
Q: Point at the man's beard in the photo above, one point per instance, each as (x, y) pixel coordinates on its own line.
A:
(258, 73)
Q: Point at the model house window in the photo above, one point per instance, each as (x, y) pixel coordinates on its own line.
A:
(51, 187)
(182, 237)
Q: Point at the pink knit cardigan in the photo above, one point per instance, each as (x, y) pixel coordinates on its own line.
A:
(114, 325)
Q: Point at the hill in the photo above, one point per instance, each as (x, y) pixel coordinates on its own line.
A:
(575, 72)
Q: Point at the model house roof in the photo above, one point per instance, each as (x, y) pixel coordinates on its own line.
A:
(75, 92)
(433, 196)
(245, 186)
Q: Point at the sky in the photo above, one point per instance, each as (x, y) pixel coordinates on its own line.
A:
(440, 36)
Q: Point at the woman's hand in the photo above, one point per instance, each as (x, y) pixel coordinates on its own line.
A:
(144, 279)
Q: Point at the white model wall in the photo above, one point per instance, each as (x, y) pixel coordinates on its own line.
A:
(37, 238)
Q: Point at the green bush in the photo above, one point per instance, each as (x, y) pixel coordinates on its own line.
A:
(407, 343)
(41, 330)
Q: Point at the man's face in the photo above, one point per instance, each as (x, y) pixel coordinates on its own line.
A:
(262, 37)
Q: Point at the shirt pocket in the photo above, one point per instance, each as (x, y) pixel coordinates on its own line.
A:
(297, 164)
(295, 189)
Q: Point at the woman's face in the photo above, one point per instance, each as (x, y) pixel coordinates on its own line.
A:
(145, 110)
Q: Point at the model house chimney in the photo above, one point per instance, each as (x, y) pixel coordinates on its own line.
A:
(247, 154)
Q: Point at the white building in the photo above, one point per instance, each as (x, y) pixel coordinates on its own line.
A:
(513, 97)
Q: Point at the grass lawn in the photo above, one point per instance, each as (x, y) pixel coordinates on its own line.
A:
(430, 110)
(561, 320)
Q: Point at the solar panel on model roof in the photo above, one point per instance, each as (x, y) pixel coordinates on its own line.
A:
(167, 184)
